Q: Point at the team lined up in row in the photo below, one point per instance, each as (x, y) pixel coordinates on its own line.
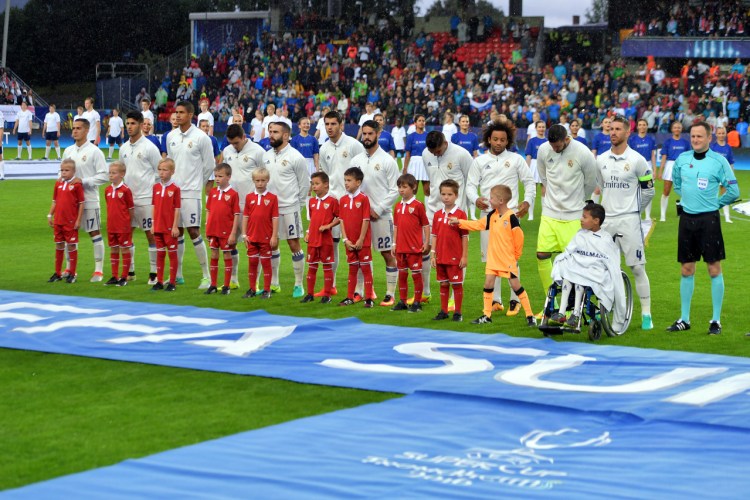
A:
(567, 169)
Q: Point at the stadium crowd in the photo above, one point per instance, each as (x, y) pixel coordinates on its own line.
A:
(307, 76)
(302, 73)
(11, 90)
(722, 18)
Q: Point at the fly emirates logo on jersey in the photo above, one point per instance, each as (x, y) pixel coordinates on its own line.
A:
(229, 341)
(614, 182)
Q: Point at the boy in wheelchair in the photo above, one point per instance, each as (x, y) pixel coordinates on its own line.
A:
(591, 259)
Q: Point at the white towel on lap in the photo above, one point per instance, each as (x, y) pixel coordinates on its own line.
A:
(593, 260)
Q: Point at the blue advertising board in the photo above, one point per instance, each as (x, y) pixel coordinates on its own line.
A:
(709, 48)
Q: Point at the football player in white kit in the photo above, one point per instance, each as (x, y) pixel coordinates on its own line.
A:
(334, 158)
(244, 156)
(51, 131)
(442, 160)
(627, 185)
(91, 170)
(141, 158)
(290, 182)
(95, 121)
(192, 152)
(381, 173)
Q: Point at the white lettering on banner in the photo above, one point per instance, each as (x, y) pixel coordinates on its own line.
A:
(531, 440)
(118, 322)
(86, 323)
(427, 358)
(529, 376)
(252, 339)
(10, 306)
(29, 318)
(711, 393)
(453, 364)
(521, 467)
(156, 339)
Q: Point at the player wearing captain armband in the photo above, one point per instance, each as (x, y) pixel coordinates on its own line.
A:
(627, 185)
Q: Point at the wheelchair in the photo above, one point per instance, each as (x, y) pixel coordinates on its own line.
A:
(591, 313)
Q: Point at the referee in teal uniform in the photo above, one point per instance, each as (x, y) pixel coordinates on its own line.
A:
(697, 176)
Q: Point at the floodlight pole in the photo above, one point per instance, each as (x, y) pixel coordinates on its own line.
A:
(5, 32)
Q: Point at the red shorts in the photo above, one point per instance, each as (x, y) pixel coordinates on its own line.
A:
(65, 235)
(258, 249)
(165, 240)
(220, 243)
(363, 255)
(124, 240)
(323, 254)
(411, 261)
(450, 273)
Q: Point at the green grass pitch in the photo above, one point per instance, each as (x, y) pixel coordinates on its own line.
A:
(64, 414)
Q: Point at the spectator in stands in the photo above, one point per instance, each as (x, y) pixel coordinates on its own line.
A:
(640, 28)
(454, 22)
(26, 97)
(161, 98)
(140, 96)
(462, 32)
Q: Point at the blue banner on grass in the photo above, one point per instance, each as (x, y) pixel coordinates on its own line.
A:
(650, 384)
(431, 445)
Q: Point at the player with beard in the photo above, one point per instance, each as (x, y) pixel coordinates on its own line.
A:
(627, 184)
(290, 182)
(380, 175)
(442, 160)
(334, 159)
(568, 171)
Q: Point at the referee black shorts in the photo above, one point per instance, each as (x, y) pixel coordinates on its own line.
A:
(699, 236)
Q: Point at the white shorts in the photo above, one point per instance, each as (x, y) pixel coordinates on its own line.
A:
(90, 221)
(336, 233)
(382, 233)
(667, 174)
(290, 226)
(190, 212)
(310, 166)
(143, 217)
(631, 242)
(534, 171)
(416, 168)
